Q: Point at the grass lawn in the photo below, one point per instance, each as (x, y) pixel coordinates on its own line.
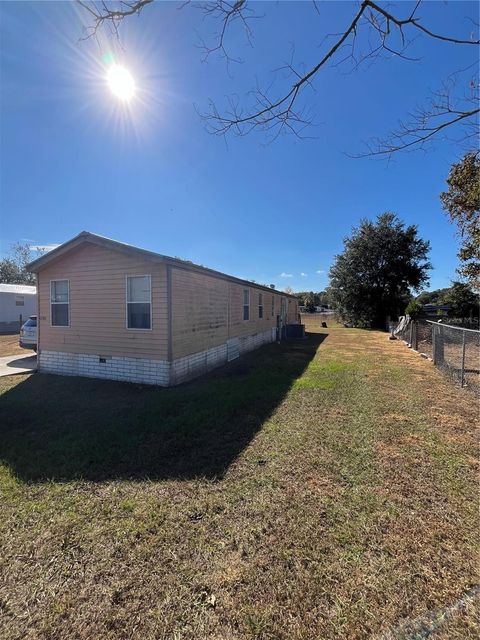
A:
(316, 490)
(9, 346)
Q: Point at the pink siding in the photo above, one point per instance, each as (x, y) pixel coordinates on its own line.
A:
(207, 311)
(199, 312)
(98, 305)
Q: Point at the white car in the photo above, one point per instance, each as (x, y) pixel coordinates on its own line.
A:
(28, 334)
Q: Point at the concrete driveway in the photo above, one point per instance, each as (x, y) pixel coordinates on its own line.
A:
(17, 364)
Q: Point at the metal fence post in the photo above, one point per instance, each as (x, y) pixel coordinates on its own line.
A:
(463, 358)
(449, 351)
(434, 335)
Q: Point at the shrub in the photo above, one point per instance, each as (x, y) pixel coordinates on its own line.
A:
(413, 309)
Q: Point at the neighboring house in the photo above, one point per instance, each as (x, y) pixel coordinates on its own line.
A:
(435, 309)
(110, 310)
(17, 303)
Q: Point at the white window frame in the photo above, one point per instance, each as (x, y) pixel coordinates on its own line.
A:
(138, 275)
(245, 305)
(59, 326)
(260, 306)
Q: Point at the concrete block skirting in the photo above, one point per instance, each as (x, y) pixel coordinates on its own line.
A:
(141, 370)
(145, 370)
(249, 343)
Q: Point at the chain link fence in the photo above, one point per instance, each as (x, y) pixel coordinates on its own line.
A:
(457, 352)
(454, 349)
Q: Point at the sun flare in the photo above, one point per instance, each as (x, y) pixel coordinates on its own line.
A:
(121, 82)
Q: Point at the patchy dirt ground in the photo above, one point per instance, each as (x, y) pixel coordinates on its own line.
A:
(320, 489)
(9, 346)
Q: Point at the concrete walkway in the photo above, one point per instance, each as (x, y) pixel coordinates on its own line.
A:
(17, 364)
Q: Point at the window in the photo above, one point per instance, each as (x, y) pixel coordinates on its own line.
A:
(19, 301)
(260, 305)
(246, 304)
(59, 303)
(273, 306)
(31, 322)
(139, 302)
(283, 310)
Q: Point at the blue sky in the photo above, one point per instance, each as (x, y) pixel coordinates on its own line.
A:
(73, 158)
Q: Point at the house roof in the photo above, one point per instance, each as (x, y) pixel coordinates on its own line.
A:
(436, 307)
(115, 245)
(20, 289)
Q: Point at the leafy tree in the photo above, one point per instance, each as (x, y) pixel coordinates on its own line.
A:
(309, 302)
(13, 268)
(381, 262)
(414, 308)
(310, 299)
(431, 297)
(322, 299)
(462, 204)
(462, 300)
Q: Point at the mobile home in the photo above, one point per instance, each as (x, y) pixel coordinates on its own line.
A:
(111, 310)
(17, 303)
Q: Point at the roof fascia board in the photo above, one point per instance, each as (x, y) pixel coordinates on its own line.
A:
(39, 263)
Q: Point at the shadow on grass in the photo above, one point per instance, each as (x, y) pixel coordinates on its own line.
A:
(60, 428)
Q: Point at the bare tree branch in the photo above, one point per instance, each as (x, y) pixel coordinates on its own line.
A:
(105, 14)
(444, 110)
(267, 113)
(281, 110)
(387, 35)
(410, 134)
(226, 13)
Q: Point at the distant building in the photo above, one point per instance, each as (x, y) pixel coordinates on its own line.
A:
(17, 302)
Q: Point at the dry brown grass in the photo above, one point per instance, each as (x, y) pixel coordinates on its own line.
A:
(9, 346)
(346, 506)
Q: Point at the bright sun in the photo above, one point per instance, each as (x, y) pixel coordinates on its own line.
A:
(121, 82)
